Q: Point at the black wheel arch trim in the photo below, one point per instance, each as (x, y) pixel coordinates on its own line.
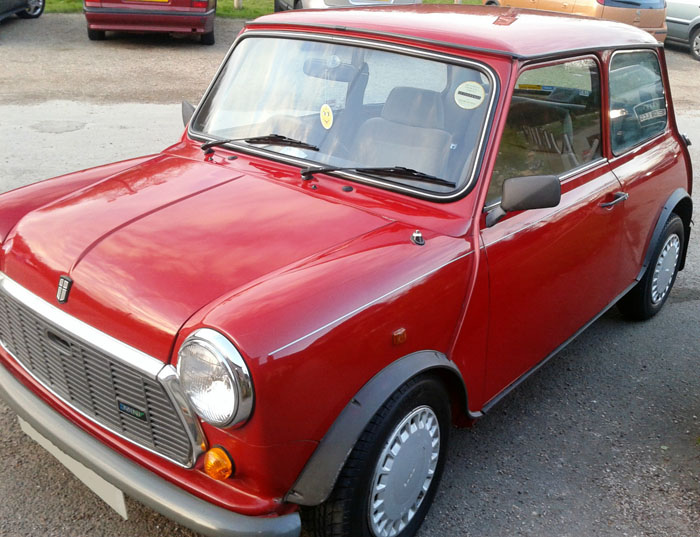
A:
(679, 198)
(317, 479)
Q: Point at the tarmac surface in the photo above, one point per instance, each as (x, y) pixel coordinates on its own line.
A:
(603, 441)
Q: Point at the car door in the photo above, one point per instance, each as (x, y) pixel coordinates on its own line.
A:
(551, 271)
(645, 153)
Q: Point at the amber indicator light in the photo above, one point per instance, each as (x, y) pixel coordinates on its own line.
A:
(218, 464)
(400, 336)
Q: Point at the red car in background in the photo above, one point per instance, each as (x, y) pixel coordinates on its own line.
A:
(377, 224)
(169, 16)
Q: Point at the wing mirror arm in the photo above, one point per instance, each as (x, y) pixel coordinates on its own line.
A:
(524, 193)
(187, 111)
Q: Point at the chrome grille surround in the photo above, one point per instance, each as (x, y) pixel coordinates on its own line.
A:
(93, 373)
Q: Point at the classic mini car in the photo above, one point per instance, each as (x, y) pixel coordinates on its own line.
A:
(24, 9)
(683, 20)
(164, 16)
(376, 225)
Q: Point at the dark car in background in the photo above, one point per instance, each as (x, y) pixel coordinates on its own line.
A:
(24, 9)
(683, 20)
(164, 16)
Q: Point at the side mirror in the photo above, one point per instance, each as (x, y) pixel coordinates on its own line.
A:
(523, 193)
(187, 111)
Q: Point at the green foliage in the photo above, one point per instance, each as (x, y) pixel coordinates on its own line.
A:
(250, 10)
(64, 6)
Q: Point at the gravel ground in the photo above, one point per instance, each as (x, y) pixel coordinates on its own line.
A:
(603, 441)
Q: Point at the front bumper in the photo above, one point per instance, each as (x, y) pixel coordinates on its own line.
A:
(134, 480)
(132, 20)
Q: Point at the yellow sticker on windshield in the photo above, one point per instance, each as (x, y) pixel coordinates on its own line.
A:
(326, 116)
(469, 95)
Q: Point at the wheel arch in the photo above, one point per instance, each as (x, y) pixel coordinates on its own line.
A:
(680, 203)
(318, 477)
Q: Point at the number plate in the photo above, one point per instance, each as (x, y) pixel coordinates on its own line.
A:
(110, 494)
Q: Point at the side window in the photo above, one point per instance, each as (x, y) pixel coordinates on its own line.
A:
(637, 101)
(553, 123)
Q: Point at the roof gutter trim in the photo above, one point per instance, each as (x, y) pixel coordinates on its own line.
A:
(424, 41)
(377, 33)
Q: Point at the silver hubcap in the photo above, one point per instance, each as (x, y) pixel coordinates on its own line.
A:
(665, 268)
(404, 472)
(696, 45)
(35, 6)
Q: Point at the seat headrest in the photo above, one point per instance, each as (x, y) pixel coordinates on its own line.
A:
(415, 107)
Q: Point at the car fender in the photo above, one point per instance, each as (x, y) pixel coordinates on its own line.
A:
(680, 203)
(317, 479)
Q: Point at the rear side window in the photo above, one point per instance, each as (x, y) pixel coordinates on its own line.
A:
(553, 124)
(635, 4)
(637, 100)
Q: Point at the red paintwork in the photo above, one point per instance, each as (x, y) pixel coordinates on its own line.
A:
(311, 283)
(171, 16)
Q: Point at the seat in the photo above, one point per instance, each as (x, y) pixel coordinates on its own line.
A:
(410, 132)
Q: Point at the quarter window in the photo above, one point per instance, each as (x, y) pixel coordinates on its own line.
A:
(553, 124)
(637, 100)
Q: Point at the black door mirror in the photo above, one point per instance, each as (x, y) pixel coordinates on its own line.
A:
(187, 111)
(523, 193)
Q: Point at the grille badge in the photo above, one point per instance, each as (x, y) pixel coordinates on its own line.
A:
(64, 285)
(132, 411)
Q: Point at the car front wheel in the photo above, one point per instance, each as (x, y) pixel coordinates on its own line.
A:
(695, 44)
(389, 479)
(34, 10)
(648, 297)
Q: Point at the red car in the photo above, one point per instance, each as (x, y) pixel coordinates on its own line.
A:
(168, 16)
(376, 225)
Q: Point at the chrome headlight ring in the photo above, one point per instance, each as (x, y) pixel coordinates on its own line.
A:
(215, 379)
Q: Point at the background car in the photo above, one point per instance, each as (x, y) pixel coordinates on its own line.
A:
(284, 5)
(648, 15)
(168, 16)
(24, 9)
(683, 20)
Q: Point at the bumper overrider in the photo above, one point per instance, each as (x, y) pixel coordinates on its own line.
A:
(128, 476)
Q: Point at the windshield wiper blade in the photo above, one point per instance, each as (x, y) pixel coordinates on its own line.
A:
(271, 139)
(389, 171)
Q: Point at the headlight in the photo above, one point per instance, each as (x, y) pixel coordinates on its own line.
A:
(215, 378)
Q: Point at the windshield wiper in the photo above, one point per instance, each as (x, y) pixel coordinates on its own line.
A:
(388, 171)
(271, 139)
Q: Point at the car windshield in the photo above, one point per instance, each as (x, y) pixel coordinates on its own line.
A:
(353, 107)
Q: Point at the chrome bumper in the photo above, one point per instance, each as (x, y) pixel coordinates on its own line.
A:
(135, 481)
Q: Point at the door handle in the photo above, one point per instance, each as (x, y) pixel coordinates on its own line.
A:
(619, 196)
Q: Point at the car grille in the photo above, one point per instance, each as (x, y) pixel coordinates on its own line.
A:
(118, 397)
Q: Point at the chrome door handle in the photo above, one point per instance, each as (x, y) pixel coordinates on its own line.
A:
(619, 196)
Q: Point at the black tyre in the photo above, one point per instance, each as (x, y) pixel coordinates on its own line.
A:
(390, 477)
(648, 297)
(695, 44)
(208, 38)
(35, 9)
(96, 35)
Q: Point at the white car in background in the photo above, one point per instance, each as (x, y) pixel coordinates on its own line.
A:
(683, 20)
(284, 5)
